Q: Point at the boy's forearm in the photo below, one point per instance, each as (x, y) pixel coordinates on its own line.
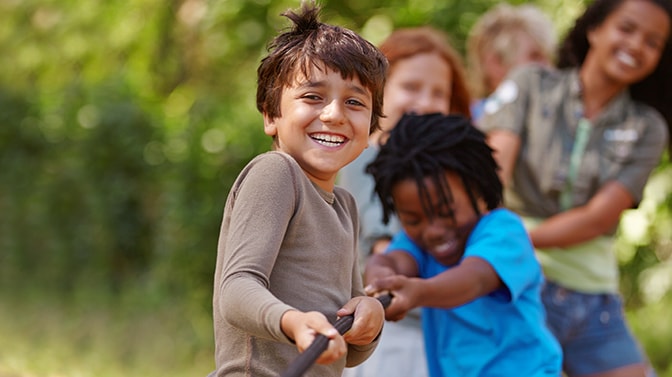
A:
(472, 279)
(245, 300)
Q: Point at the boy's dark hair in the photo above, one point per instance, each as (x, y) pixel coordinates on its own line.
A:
(422, 146)
(311, 43)
(656, 89)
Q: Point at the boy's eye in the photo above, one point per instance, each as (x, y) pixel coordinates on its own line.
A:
(410, 222)
(355, 102)
(446, 213)
(313, 97)
(406, 220)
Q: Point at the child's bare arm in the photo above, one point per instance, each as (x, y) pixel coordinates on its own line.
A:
(473, 278)
(303, 327)
(389, 264)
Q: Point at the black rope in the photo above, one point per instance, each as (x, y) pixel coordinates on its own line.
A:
(301, 364)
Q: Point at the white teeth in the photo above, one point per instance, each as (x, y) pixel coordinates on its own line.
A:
(626, 59)
(445, 246)
(328, 139)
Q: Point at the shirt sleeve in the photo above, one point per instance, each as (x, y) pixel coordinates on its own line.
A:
(501, 240)
(506, 108)
(263, 202)
(645, 156)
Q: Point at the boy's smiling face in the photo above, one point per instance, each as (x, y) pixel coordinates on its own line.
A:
(324, 123)
(444, 235)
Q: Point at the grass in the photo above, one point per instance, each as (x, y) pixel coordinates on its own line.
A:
(42, 336)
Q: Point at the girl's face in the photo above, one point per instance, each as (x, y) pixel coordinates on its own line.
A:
(420, 84)
(627, 46)
(444, 236)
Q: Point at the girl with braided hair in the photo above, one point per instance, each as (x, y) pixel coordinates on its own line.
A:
(467, 262)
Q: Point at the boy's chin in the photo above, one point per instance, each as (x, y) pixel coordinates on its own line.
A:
(449, 260)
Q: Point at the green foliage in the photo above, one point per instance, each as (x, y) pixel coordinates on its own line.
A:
(123, 125)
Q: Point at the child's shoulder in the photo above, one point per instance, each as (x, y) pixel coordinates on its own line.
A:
(274, 159)
(502, 219)
(273, 163)
(269, 167)
(503, 214)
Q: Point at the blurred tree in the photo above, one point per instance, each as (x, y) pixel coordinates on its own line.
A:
(123, 125)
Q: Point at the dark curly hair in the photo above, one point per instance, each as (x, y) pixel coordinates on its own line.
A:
(422, 146)
(656, 89)
(311, 43)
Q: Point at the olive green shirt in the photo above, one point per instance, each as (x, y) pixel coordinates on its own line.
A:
(624, 143)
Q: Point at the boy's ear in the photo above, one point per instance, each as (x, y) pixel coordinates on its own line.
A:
(270, 127)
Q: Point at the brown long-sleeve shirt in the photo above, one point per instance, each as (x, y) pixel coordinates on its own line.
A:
(284, 243)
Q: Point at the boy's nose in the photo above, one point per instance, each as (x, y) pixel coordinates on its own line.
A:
(333, 112)
(434, 231)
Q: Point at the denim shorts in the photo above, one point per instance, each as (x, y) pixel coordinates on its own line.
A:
(591, 329)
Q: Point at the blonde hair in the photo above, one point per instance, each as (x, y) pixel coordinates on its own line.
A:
(497, 30)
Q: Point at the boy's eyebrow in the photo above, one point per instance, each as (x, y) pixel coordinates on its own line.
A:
(319, 84)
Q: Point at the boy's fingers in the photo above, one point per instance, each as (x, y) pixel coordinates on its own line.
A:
(370, 289)
(379, 286)
(330, 333)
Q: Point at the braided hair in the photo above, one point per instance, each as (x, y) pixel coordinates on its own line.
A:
(428, 146)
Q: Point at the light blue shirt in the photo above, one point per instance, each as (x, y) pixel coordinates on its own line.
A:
(501, 334)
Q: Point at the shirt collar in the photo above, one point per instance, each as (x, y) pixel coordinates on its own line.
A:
(616, 109)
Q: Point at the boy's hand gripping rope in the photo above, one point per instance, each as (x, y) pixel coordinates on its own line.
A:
(299, 366)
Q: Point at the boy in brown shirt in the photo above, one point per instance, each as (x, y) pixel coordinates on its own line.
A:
(287, 261)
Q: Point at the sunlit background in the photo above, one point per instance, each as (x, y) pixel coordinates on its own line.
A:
(122, 127)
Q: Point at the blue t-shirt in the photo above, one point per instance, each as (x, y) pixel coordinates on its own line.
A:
(501, 334)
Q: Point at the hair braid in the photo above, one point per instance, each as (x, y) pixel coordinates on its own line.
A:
(423, 146)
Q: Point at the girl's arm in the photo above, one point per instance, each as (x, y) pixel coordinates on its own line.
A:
(580, 224)
(506, 146)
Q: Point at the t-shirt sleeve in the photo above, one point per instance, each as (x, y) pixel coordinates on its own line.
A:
(501, 240)
(401, 242)
(645, 156)
(506, 108)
